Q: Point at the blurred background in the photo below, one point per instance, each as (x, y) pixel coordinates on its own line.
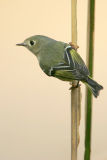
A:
(34, 108)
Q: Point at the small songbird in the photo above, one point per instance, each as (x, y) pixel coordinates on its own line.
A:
(60, 60)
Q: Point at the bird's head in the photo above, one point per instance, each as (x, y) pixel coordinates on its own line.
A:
(35, 43)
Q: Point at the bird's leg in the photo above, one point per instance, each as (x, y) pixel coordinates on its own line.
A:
(74, 46)
(75, 86)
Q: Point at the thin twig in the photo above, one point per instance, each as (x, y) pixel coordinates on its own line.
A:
(75, 92)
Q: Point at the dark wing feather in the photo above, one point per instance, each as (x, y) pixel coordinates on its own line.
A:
(73, 64)
(78, 63)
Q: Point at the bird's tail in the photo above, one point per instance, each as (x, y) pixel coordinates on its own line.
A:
(93, 86)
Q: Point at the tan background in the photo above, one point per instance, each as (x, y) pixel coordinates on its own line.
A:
(35, 109)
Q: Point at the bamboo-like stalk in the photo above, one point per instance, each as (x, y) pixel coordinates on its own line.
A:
(75, 92)
(90, 54)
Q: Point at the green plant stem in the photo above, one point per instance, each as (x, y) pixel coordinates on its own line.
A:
(90, 54)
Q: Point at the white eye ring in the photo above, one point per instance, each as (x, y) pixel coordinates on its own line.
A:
(32, 42)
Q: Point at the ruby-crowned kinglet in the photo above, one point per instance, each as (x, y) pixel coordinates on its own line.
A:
(60, 60)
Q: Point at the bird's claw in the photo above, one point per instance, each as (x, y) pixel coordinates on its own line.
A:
(75, 86)
(74, 46)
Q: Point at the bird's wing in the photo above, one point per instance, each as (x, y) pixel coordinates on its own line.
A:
(73, 64)
(75, 61)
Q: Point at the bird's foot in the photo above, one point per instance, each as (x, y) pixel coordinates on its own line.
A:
(74, 46)
(75, 86)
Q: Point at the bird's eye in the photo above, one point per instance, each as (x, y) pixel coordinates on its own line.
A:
(32, 43)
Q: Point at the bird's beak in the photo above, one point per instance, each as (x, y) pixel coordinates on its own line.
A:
(21, 44)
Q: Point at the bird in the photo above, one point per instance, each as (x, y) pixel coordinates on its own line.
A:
(61, 60)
